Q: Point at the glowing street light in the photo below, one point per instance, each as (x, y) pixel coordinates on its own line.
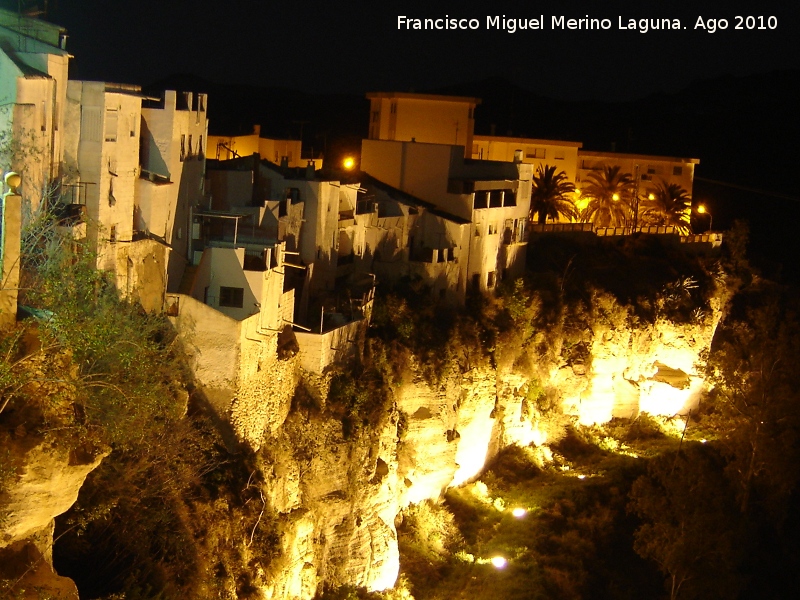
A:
(349, 162)
(519, 512)
(499, 562)
(702, 210)
(615, 197)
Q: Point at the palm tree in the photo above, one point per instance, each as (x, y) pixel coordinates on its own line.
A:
(610, 194)
(550, 195)
(668, 204)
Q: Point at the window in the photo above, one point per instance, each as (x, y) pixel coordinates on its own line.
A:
(375, 115)
(282, 208)
(496, 199)
(677, 171)
(200, 149)
(232, 297)
(559, 155)
(293, 194)
(112, 117)
(509, 198)
(531, 152)
(133, 125)
(481, 200)
(112, 235)
(183, 147)
(492, 228)
(651, 170)
(190, 146)
(490, 279)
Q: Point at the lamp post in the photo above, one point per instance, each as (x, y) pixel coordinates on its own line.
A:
(702, 210)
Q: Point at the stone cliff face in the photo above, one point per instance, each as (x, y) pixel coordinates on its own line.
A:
(339, 498)
(336, 494)
(45, 484)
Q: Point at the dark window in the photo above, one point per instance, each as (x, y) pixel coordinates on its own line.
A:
(509, 198)
(232, 297)
(282, 208)
(490, 279)
(481, 200)
(112, 235)
(677, 171)
(183, 146)
(496, 199)
(293, 194)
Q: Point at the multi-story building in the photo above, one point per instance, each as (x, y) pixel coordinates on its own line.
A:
(648, 171)
(539, 153)
(172, 179)
(423, 118)
(33, 90)
(409, 151)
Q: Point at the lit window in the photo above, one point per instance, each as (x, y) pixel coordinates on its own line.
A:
(232, 297)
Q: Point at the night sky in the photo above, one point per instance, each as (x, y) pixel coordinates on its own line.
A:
(356, 47)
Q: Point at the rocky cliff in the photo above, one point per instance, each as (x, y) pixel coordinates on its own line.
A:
(43, 482)
(340, 496)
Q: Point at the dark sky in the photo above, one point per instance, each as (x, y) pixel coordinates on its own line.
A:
(356, 46)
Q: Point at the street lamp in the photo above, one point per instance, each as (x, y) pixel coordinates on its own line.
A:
(349, 162)
(702, 210)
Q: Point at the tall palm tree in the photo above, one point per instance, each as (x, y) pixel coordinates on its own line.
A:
(610, 196)
(550, 195)
(669, 204)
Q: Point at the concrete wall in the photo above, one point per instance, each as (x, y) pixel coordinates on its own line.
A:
(174, 140)
(318, 351)
(421, 170)
(141, 272)
(211, 341)
(432, 119)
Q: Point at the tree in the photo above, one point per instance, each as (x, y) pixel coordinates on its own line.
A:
(690, 525)
(753, 368)
(550, 195)
(670, 205)
(610, 194)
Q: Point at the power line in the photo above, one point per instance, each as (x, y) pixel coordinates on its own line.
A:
(747, 189)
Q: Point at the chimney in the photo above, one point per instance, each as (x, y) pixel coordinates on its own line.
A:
(311, 169)
(517, 156)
